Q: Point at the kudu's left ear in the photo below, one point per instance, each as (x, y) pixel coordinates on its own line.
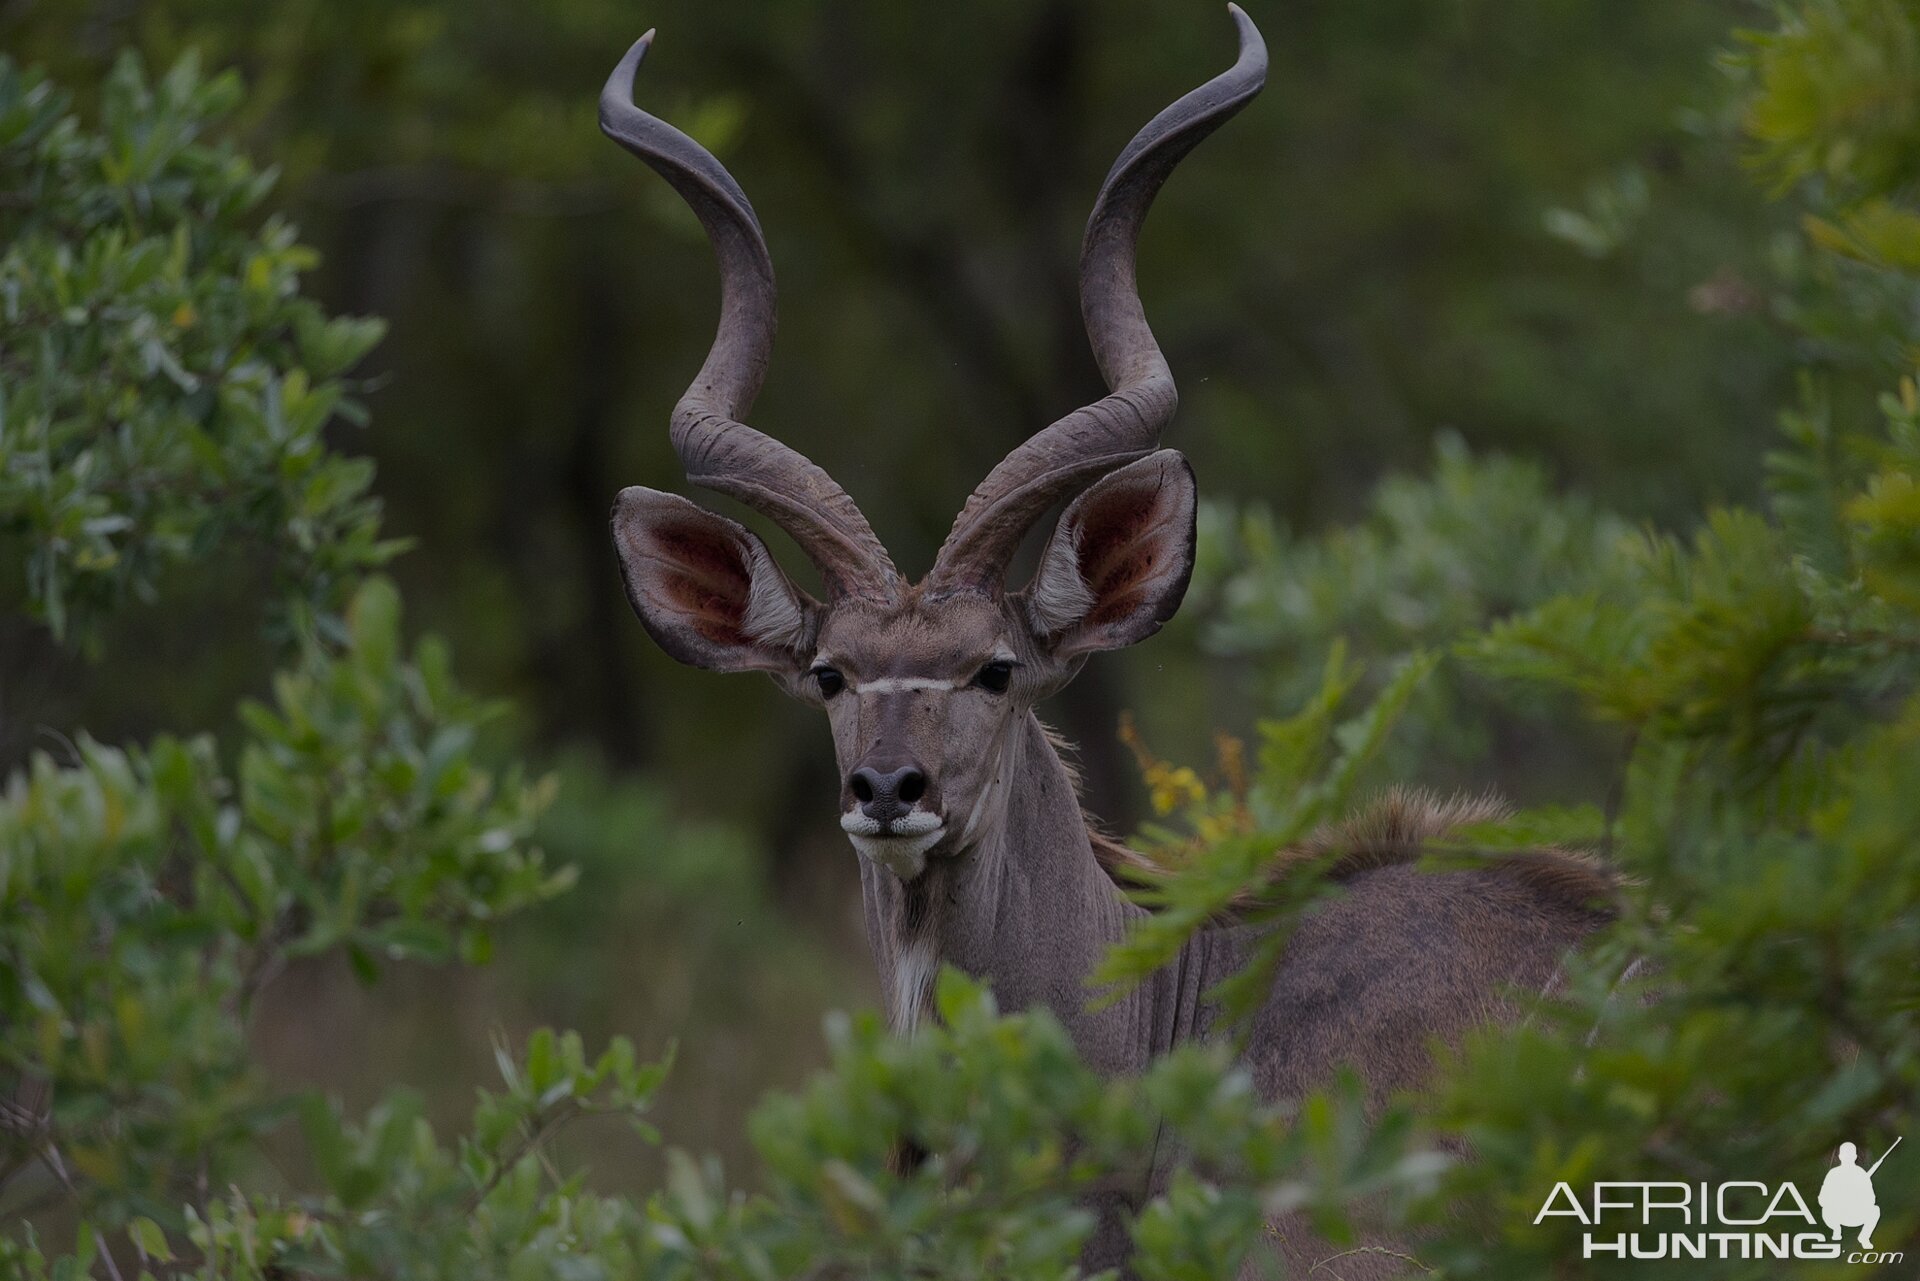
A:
(1118, 563)
(707, 589)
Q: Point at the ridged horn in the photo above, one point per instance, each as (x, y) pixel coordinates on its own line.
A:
(717, 450)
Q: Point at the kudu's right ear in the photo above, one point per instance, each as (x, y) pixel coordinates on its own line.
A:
(706, 588)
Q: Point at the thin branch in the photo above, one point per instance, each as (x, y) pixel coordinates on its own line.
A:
(532, 1135)
(1366, 1249)
(106, 1255)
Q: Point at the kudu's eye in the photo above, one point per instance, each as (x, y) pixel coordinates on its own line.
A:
(831, 682)
(994, 677)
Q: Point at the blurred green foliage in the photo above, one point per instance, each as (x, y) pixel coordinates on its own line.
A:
(1755, 1003)
(1437, 555)
(1747, 692)
(1755, 690)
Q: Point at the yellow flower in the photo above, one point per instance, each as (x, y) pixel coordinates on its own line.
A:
(1172, 786)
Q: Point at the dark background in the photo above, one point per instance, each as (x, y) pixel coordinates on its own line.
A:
(1506, 221)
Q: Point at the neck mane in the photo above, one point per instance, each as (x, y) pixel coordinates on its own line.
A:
(1035, 902)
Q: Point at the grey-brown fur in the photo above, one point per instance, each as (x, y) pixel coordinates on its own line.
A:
(973, 848)
(1371, 979)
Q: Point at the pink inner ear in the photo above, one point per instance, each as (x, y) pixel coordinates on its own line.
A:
(704, 578)
(1121, 536)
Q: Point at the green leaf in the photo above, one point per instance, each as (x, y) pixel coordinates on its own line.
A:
(149, 1239)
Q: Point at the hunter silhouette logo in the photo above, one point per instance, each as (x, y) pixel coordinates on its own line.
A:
(1738, 1219)
(1846, 1198)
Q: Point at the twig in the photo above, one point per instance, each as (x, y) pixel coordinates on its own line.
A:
(1367, 1249)
(533, 1135)
(106, 1256)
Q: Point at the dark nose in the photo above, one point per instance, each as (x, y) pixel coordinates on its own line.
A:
(885, 795)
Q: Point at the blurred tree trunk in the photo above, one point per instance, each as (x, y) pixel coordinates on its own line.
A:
(595, 675)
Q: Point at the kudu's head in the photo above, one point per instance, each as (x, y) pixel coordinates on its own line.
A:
(926, 684)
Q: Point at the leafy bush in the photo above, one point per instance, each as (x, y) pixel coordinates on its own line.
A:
(1435, 557)
(1754, 681)
(1759, 681)
(166, 386)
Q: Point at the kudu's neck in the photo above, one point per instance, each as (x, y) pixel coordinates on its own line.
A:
(1027, 908)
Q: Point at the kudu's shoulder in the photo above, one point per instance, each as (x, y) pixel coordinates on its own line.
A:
(1396, 830)
(1404, 824)
(1497, 918)
(1404, 955)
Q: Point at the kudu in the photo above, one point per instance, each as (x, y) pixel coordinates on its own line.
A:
(974, 851)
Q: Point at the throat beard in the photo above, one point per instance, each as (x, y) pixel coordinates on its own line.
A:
(953, 890)
(918, 960)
